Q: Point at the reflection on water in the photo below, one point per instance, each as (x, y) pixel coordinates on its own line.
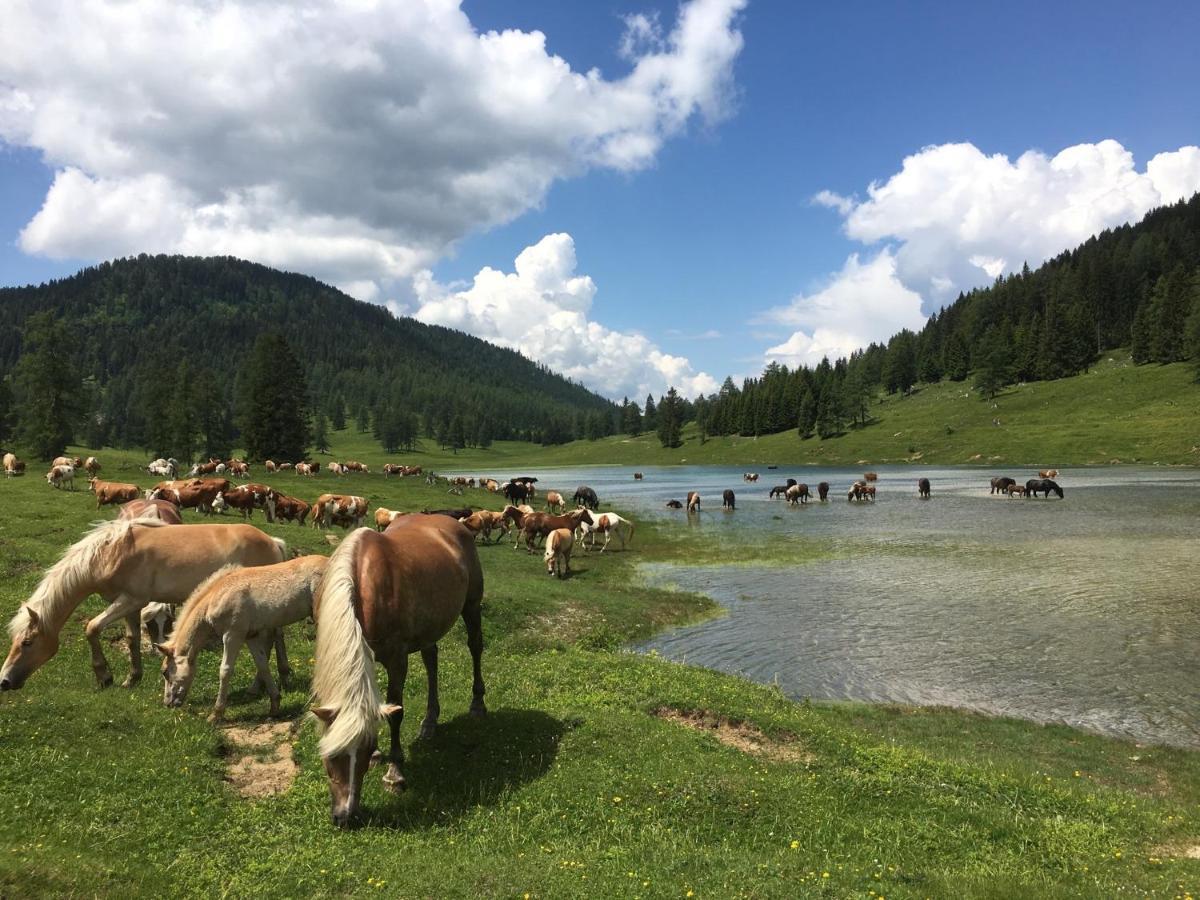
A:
(1084, 610)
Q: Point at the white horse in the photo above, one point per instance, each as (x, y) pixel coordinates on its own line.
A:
(607, 524)
(242, 606)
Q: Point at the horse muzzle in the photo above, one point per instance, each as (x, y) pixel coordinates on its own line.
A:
(10, 682)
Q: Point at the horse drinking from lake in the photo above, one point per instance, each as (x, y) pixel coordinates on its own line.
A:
(1044, 485)
(923, 488)
(129, 562)
(385, 596)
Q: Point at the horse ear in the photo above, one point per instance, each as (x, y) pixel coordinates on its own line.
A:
(165, 649)
(387, 710)
(34, 618)
(325, 713)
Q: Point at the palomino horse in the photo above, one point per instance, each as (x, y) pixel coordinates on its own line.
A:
(385, 596)
(151, 509)
(559, 544)
(555, 502)
(240, 606)
(129, 563)
(693, 501)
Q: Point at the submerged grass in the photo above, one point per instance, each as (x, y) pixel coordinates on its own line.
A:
(577, 782)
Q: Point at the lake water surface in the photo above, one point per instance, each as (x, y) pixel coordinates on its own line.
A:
(1084, 611)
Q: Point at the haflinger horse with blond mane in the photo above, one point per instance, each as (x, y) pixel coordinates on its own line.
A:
(128, 562)
(241, 606)
(383, 597)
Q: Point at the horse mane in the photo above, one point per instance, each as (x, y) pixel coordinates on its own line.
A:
(195, 607)
(344, 676)
(52, 598)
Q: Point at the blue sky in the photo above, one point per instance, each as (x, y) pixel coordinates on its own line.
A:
(711, 249)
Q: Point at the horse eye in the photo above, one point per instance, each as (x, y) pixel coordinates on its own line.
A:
(28, 642)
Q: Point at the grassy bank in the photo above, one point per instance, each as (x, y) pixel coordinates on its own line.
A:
(597, 771)
(1117, 413)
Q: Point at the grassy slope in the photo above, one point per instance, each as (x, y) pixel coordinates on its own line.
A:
(1117, 412)
(570, 785)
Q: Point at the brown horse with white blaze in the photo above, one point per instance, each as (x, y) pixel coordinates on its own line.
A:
(129, 563)
(383, 597)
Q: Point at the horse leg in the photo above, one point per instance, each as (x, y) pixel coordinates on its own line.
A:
(397, 669)
(133, 637)
(123, 606)
(232, 643)
(281, 660)
(260, 652)
(472, 615)
(433, 709)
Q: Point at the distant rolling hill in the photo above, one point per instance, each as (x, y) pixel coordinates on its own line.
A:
(137, 318)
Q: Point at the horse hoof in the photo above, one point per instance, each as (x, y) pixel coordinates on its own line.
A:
(478, 710)
(105, 680)
(426, 732)
(393, 781)
(376, 759)
(130, 681)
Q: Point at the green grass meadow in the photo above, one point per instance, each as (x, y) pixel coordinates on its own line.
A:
(572, 785)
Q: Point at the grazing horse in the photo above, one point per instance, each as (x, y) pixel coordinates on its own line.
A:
(559, 544)
(555, 502)
(608, 524)
(1045, 485)
(693, 502)
(1048, 473)
(860, 491)
(797, 494)
(727, 499)
(1016, 490)
(516, 492)
(586, 497)
(750, 476)
(923, 488)
(163, 510)
(870, 476)
(637, 476)
(674, 504)
(1001, 484)
(383, 597)
(539, 525)
(240, 606)
(129, 562)
(823, 491)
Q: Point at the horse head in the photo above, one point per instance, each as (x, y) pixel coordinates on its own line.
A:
(178, 671)
(32, 645)
(347, 767)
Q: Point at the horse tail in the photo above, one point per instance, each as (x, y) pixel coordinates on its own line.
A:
(629, 534)
(281, 546)
(344, 675)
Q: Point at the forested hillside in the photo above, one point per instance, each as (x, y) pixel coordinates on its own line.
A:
(1136, 286)
(152, 334)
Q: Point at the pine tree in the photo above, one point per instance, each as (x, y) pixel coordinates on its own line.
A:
(6, 407)
(957, 360)
(808, 414)
(320, 434)
(649, 414)
(670, 419)
(337, 415)
(274, 415)
(48, 387)
(995, 365)
(1141, 334)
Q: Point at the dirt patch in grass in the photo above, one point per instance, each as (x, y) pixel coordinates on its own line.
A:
(739, 735)
(259, 760)
(566, 624)
(1179, 850)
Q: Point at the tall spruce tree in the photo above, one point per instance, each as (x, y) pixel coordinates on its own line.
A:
(274, 413)
(47, 387)
(670, 419)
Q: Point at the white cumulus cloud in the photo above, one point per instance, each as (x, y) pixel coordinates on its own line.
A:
(960, 217)
(954, 218)
(354, 141)
(542, 309)
(864, 302)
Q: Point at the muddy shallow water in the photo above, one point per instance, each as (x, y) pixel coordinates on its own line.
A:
(1084, 610)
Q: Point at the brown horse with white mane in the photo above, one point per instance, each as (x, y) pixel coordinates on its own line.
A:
(383, 597)
(129, 563)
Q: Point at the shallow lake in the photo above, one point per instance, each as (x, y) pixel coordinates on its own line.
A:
(1084, 610)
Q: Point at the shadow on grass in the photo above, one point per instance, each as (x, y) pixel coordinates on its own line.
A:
(469, 762)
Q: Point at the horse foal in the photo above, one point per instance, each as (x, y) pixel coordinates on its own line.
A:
(241, 606)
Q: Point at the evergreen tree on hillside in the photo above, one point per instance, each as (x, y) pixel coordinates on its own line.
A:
(631, 418)
(995, 365)
(6, 410)
(808, 414)
(670, 419)
(320, 434)
(274, 413)
(957, 362)
(47, 387)
(337, 415)
(181, 426)
(900, 364)
(650, 414)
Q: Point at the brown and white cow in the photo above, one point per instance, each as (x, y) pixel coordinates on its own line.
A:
(113, 492)
(247, 498)
(73, 461)
(385, 517)
(91, 465)
(390, 469)
(309, 469)
(339, 509)
(290, 509)
(200, 493)
(61, 476)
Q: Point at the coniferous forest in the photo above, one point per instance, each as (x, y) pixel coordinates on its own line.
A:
(160, 352)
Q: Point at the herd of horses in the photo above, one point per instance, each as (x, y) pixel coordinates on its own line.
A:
(797, 493)
(381, 596)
